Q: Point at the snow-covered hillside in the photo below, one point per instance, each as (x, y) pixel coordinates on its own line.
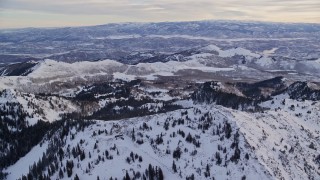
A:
(201, 142)
(209, 61)
(54, 70)
(264, 130)
(36, 107)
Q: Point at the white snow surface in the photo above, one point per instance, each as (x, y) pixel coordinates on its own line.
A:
(231, 52)
(270, 51)
(264, 61)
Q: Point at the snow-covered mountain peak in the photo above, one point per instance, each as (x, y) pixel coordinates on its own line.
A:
(50, 68)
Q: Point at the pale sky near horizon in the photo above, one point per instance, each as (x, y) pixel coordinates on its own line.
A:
(49, 13)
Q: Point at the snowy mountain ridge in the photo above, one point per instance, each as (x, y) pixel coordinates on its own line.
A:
(208, 61)
(199, 140)
(242, 145)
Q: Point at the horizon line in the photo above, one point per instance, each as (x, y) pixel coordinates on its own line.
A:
(156, 22)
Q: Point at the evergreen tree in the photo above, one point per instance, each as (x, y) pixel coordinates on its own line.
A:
(127, 177)
(133, 137)
(207, 173)
(174, 167)
(69, 165)
(60, 174)
(76, 177)
(151, 172)
(189, 138)
(160, 174)
(82, 155)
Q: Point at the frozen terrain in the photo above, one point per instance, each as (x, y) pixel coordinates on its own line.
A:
(183, 100)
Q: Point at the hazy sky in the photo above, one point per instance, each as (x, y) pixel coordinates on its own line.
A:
(48, 13)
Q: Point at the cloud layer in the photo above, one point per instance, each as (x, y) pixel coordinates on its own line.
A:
(22, 13)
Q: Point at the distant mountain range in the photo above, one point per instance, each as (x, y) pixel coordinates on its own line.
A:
(209, 62)
(132, 42)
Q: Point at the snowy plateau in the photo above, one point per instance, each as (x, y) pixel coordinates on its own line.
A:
(188, 100)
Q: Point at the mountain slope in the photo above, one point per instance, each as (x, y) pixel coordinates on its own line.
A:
(267, 145)
(263, 130)
(183, 141)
